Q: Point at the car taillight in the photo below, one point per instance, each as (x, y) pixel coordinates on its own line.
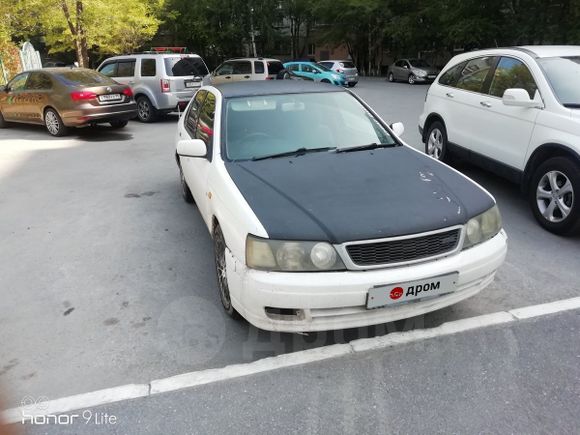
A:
(128, 92)
(82, 95)
(164, 85)
(269, 78)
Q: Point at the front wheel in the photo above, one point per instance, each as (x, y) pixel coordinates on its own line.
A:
(145, 110)
(391, 78)
(352, 84)
(53, 123)
(325, 81)
(3, 123)
(185, 191)
(436, 143)
(553, 195)
(412, 79)
(219, 246)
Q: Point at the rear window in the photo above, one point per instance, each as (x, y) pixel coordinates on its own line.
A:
(185, 66)
(275, 67)
(83, 78)
(347, 64)
(259, 67)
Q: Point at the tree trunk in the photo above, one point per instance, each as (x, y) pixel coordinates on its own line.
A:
(83, 49)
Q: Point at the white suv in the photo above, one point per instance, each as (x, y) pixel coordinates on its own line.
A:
(516, 112)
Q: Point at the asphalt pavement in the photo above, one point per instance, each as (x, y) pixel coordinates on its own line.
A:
(521, 378)
(107, 278)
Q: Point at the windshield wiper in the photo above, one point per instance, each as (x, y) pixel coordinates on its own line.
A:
(295, 153)
(572, 105)
(370, 146)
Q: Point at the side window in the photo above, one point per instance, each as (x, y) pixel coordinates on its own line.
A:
(126, 69)
(192, 115)
(18, 82)
(406, 65)
(204, 130)
(38, 82)
(242, 67)
(512, 73)
(307, 68)
(148, 68)
(293, 67)
(258, 67)
(109, 69)
(450, 77)
(399, 64)
(474, 74)
(225, 69)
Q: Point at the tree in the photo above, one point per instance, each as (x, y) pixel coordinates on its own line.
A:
(83, 25)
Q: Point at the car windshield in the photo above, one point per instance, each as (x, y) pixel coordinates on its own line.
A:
(266, 125)
(84, 78)
(563, 73)
(419, 63)
(185, 66)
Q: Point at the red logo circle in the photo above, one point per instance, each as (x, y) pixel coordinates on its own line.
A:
(396, 293)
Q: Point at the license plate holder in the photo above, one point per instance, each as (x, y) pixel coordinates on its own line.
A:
(109, 97)
(190, 83)
(399, 293)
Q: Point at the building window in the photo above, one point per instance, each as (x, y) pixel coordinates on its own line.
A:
(311, 49)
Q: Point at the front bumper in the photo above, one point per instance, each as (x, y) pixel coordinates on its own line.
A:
(337, 300)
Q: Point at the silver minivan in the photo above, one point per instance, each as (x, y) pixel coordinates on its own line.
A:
(346, 67)
(161, 82)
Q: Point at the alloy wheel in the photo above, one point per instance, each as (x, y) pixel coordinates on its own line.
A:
(144, 110)
(411, 79)
(555, 196)
(435, 144)
(52, 122)
(220, 265)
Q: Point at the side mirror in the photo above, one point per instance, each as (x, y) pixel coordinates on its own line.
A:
(519, 98)
(398, 128)
(191, 148)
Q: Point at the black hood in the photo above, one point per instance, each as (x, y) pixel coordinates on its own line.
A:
(340, 197)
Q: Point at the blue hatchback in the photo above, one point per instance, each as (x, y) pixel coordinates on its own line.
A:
(316, 72)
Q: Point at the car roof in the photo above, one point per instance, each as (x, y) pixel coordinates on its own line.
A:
(552, 50)
(59, 69)
(267, 59)
(155, 55)
(274, 87)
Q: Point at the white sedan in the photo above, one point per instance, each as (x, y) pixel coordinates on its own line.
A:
(322, 218)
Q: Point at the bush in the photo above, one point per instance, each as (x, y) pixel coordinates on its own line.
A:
(10, 56)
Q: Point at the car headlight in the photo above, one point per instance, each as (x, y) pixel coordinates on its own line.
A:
(482, 228)
(291, 256)
(421, 73)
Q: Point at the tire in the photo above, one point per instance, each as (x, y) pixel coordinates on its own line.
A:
(411, 79)
(3, 123)
(391, 77)
(351, 85)
(554, 195)
(145, 110)
(436, 142)
(185, 190)
(118, 124)
(324, 81)
(53, 123)
(219, 245)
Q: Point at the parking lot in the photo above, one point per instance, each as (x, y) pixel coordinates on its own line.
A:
(107, 276)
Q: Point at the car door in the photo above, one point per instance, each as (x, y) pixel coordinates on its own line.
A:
(148, 75)
(309, 71)
(506, 130)
(12, 104)
(223, 73)
(109, 69)
(36, 96)
(125, 72)
(198, 124)
(462, 108)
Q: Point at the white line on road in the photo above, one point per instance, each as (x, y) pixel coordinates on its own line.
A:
(192, 379)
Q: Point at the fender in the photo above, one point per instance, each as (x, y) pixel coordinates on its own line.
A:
(541, 154)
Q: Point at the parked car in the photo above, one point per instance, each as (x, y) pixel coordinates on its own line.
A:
(316, 72)
(61, 98)
(346, 67)
(243, 69)
(515, 112)
(162, 82)
(321, 217)
(412, 71)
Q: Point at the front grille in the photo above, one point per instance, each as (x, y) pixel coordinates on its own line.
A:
(404, 250)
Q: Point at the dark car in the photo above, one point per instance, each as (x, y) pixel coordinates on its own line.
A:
(412, 71)
(61, 98)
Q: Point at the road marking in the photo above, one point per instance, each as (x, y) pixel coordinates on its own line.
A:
(203, 377)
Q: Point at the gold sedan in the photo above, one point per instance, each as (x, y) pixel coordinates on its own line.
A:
(61, 98)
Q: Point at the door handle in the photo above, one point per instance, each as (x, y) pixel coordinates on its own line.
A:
(485, 104)
(450, 95)
(227, 77)
(246, 77)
